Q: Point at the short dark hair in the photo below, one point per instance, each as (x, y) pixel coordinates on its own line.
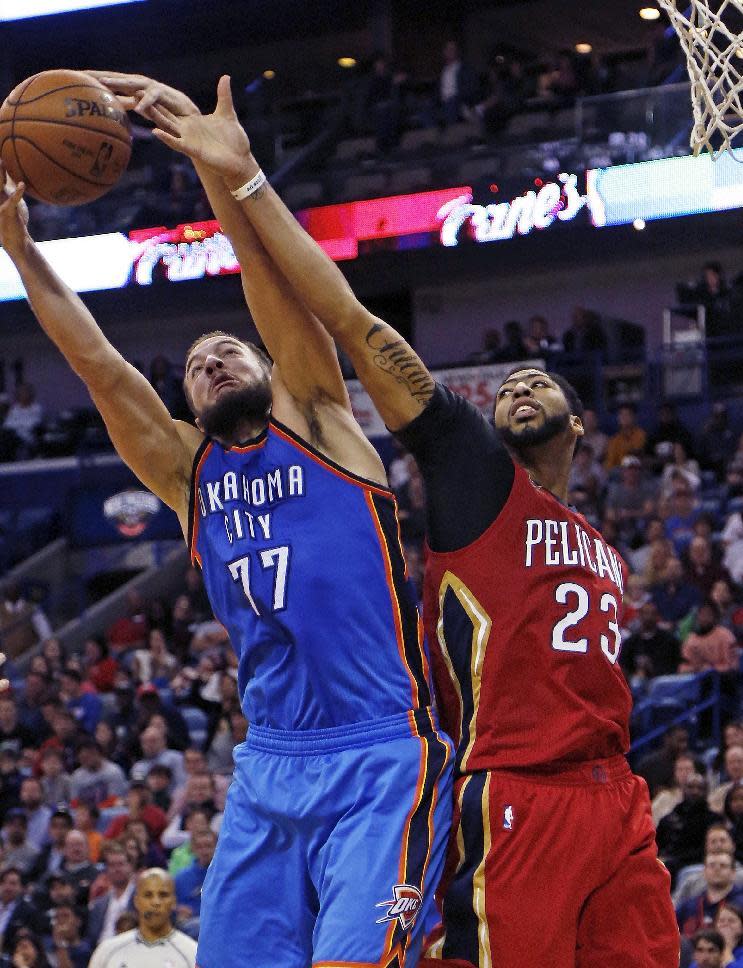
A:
(575, 404)
(709, 934)
(11, 870)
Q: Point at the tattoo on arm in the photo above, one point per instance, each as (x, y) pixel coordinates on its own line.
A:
(395, 357)
(258, 193)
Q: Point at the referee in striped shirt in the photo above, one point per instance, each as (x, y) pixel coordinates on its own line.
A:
(155, 943)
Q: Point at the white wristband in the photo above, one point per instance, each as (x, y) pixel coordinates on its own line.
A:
(246, 190)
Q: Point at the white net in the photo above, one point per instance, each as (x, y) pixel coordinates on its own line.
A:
(711, 34)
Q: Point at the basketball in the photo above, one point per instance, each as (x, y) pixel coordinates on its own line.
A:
(65, 136)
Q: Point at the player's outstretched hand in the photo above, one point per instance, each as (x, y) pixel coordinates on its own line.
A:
(13, 217)
(216, 140)
(139, 93)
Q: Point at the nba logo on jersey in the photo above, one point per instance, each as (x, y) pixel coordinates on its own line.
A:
(508, 817)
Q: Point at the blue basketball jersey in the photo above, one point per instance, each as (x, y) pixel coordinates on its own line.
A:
(303, 565)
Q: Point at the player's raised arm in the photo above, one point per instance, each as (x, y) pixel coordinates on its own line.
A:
(158, 449)
(397, 380)
(298, 344)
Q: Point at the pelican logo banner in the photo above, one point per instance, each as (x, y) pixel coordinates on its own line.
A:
(131, 511)
(404, 907)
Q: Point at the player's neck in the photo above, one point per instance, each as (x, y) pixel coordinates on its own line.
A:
(549, 466)
(243, 433)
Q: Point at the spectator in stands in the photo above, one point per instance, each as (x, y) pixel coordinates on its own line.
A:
(585, 335)
(86, 707)
(151, 852)
(130, 631)
(713, 292)
(38, 815)
(197, 594)
(87, 816)
(194, 821)
(733, 810)
(64, 737)
(182, 619)
(540, 340)
(492, 348)
(190, 880)
(680, 469)
(65, 945)
(733, 770)
(458, 86)
(219, 753)
(56, 784)
(710, 645)
(15, 911)
(138, 808)
(160, 782)
(651, 650)
(665, 60)
(709, 947)
(702, 571)
(22, 623)
(503, 97)
(16, 850)
(10, 779)
(119, 897)
(100, 668)
(382, 102)
(628, 441)
(657, 768)
(33, 695)
(167, 383)
(97, 780)
(514, 347)
(27, 950)
(23, 419)
(717, 441)
(155, 750)
(149, 706)
(675, 597)
(681, 833)
(669, 430)
(729, 922)
(732, 542)
(717, 841)
(667, 800)
(12, 731)
(51, 856)
(731, 613)
(699, 912)
(77, 865)
(200, 792)
(154, 664)
(55, 655)
(631, 500)
(586, 484)
(110, 746)
(594, 436)
(684, 513)
(558, 83)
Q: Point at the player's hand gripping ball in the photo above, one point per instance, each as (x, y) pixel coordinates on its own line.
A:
(65, 136)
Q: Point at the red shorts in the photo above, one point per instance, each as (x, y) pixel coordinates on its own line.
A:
(554, 871)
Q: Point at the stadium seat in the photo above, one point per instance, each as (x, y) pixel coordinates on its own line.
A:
(685, 688)
(418, 140)
(353, 148)
(410, 180)
(460, 134)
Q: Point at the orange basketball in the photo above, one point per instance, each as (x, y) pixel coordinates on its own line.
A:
(65, 136)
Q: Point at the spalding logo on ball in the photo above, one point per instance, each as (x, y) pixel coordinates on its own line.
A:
(65, 136)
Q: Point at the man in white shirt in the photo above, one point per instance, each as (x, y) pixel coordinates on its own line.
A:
(155, 943)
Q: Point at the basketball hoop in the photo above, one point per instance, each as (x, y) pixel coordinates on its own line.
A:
(711, 35)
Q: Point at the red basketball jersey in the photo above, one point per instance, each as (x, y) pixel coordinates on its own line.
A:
(523, 627)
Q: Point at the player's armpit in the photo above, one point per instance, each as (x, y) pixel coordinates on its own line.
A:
(392, 373)
(158, 449)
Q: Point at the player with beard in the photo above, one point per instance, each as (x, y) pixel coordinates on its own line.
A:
(522, 604)
(336, 824)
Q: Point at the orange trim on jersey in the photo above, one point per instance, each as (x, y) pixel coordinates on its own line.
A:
(432, 808)
(386, 961)
(401, 871)
(195, 556)
(346, 476)
(393, 596)
(420, 631)
(248, 447)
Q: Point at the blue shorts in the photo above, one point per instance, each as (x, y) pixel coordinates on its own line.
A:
(332, 844)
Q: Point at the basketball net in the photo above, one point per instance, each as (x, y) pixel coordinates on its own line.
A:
(711, 35)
